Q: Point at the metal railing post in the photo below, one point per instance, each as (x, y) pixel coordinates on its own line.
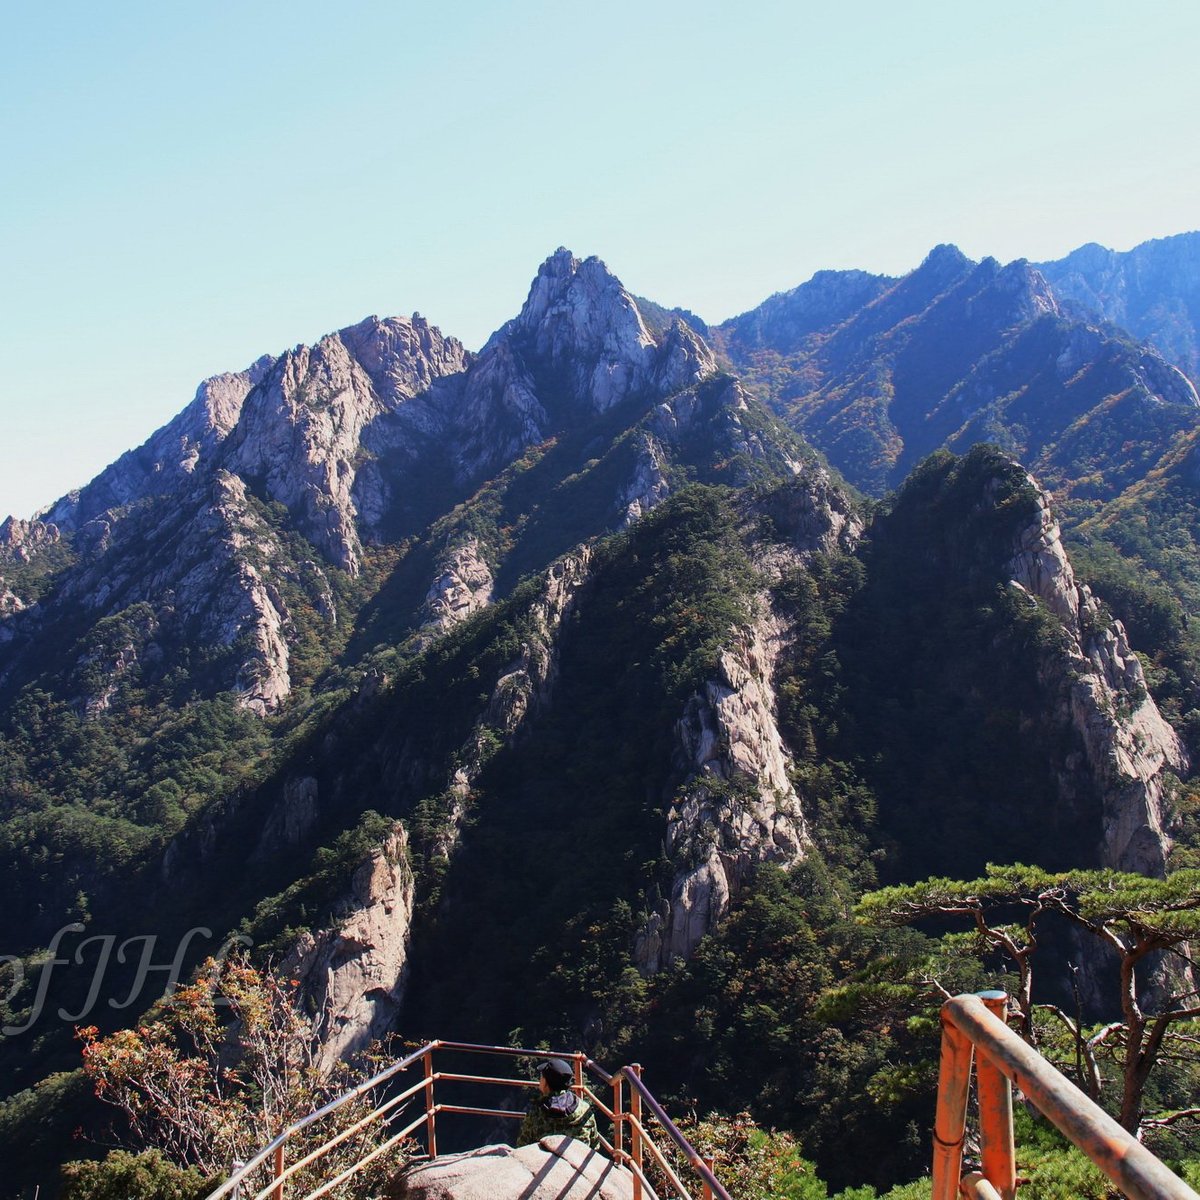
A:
(635, 1132)
(999, 1156)
(618, 1087)
(711, 1163)
(430, 1113)
(277, 1190)
(950, 1123)
(578, 1064)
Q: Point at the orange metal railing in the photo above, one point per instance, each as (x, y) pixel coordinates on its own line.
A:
(975, 1023)
(631, 1145)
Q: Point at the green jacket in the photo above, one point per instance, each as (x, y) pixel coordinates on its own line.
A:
(560, 1112)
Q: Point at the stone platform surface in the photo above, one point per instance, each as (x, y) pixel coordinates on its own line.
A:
(557, 1168)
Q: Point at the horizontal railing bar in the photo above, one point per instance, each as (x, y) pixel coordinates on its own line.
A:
(976, 1185)
(451, 1078)
(479, 1112)
(508, 1051)
(423, 1119)
(353, 1094)
(1133, 1168)
(408, 1093)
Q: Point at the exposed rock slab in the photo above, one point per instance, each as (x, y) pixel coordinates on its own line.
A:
(1129, 746)
(463, 586)
(737, 808)
(354, 974)
(21, 540)
(557, 1168)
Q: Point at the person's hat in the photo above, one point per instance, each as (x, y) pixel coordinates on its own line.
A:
(557, 1073)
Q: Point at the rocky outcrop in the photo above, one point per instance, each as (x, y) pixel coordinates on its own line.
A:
(557, 1168)
(578, 348)
(303, 430)
(352, 976)
(210, 566)
(527, 684)
(236, 601)
(810, 514)
(10, 602)
(1129, 749)
(463, 586)
(649, 485)
(21, 540)
(682, 360)
(737, 807)
(100, 672)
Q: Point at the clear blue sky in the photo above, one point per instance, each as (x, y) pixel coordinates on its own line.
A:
(187, 186)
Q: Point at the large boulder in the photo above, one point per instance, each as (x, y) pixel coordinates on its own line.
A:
(557, 1168)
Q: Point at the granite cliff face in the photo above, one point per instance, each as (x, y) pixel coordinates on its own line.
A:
(352, 975)
(1129, 749)
(463, 586)
(737, 807)
(305, 431)
(578, 349)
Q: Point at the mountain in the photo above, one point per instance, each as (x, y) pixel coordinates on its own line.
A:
(295, 537)
(501, 695)
(1153, 291)
(879, 373)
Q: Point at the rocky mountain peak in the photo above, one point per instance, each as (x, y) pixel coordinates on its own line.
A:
(1004, 296)
(403, 355)
(579, 309)
(786, 319)
(1024, 281)
(945, 259)
(1091, 256)
(169, 459)
(579, 347)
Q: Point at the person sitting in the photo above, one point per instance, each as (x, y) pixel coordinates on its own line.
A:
(558, 1110)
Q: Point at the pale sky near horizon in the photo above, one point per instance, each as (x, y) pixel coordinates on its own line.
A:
(188, 186)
